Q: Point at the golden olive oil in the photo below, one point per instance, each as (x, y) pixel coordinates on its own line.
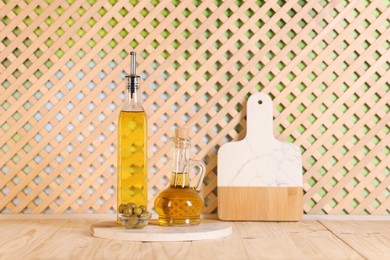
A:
(179, 204)
(132, 158)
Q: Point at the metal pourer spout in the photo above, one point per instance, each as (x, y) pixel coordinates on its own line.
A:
(133, 79)
(133, 65)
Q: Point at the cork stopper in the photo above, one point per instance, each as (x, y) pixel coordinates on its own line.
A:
(182, 133)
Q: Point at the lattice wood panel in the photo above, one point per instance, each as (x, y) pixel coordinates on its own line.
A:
(62, 64)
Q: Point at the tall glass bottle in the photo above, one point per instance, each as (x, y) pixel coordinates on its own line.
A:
(181, 204)
(132, 145)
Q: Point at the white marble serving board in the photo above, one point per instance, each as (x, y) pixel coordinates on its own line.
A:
(259, 160)
(207, 229)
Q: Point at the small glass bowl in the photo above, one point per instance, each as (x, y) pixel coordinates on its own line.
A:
(135, 221)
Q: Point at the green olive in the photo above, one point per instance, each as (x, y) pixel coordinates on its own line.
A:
(121, 208)
(131, 205)
(128, 211)
(137, 210)
(144, 209)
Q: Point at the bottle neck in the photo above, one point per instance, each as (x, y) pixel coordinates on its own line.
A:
(133, 100)
(180, 163)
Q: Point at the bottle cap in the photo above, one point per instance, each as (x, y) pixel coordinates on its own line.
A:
(183, 133)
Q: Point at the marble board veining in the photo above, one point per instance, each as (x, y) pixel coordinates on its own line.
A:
(259, 160)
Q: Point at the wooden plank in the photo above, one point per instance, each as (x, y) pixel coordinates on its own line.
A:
(67, 236)
(107, 249)
(292, 240)
(230, 247)
(168, 250)
(370, 238)
(58, 237)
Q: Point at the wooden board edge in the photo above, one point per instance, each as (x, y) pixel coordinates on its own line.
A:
(260, 203)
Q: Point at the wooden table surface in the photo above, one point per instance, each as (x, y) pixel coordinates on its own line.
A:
(68, 237)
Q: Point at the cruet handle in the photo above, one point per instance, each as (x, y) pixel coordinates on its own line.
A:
(202, 170)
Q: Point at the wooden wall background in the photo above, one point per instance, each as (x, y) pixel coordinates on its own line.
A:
(62, 64)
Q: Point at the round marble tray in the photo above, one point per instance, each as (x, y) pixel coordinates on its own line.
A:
(207, 229)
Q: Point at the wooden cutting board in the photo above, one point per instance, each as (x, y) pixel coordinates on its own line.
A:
(259, 177)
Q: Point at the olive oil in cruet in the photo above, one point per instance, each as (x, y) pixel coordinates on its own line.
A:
(181, 204)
